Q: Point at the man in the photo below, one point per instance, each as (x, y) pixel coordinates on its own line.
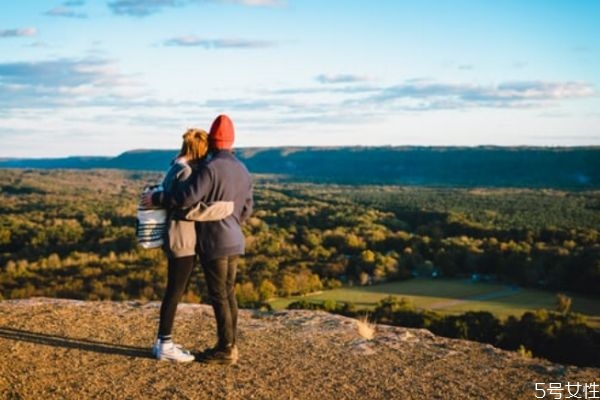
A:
(219, 243)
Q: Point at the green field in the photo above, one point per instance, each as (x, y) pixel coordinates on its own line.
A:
(454, 297)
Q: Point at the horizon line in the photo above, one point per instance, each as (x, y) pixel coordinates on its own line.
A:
(318, 147)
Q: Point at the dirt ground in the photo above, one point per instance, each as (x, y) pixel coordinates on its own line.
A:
(65, 349)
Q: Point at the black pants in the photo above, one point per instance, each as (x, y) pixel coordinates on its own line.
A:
(220, 279)
(179, 273)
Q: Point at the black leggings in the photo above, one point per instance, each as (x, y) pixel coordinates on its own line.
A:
(180, 270)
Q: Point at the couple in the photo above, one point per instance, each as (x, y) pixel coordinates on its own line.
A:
(222, 181)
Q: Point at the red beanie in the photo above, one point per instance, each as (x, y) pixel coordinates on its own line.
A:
(221, 134)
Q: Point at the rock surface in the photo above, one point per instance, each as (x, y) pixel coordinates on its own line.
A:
(66, 349)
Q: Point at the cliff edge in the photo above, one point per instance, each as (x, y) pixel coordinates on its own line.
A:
(67, 349)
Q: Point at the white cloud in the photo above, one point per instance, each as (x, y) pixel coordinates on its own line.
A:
(64, 12)
(518, 94)
(39, 44)
(544, 90)
(143, 8)
(22, 32)
(341, 78)
(258, 3)
(193, 41)
(52, 83)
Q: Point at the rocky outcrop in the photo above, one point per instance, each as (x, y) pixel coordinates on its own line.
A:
(66, 349)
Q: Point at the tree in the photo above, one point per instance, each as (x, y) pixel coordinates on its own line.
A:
(246, 294)
(288, 285)
(266, 290)
(364, 278)
(563, 303)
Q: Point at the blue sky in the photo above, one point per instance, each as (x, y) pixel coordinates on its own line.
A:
(84, 77)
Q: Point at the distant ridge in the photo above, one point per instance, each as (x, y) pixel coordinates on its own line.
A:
(76, 162)
(150, 160)
(484, 166)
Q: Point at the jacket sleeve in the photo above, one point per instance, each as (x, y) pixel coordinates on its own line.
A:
(189, 192)
(178, 173)
(248, 205)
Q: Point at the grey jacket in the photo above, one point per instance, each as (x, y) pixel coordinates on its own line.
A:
(181, 234)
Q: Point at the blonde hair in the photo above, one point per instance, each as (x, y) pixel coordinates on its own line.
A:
(195, 144)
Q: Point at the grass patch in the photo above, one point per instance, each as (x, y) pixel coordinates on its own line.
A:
(453, 297)
(365, 329)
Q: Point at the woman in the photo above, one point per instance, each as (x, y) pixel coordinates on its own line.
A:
(179, 245)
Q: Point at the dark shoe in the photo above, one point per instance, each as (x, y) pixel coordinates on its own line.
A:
(226, 356)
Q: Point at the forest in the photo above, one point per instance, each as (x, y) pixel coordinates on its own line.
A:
(70, 233)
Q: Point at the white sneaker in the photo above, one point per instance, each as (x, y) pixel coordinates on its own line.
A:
(157, 344)
(171, 352)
